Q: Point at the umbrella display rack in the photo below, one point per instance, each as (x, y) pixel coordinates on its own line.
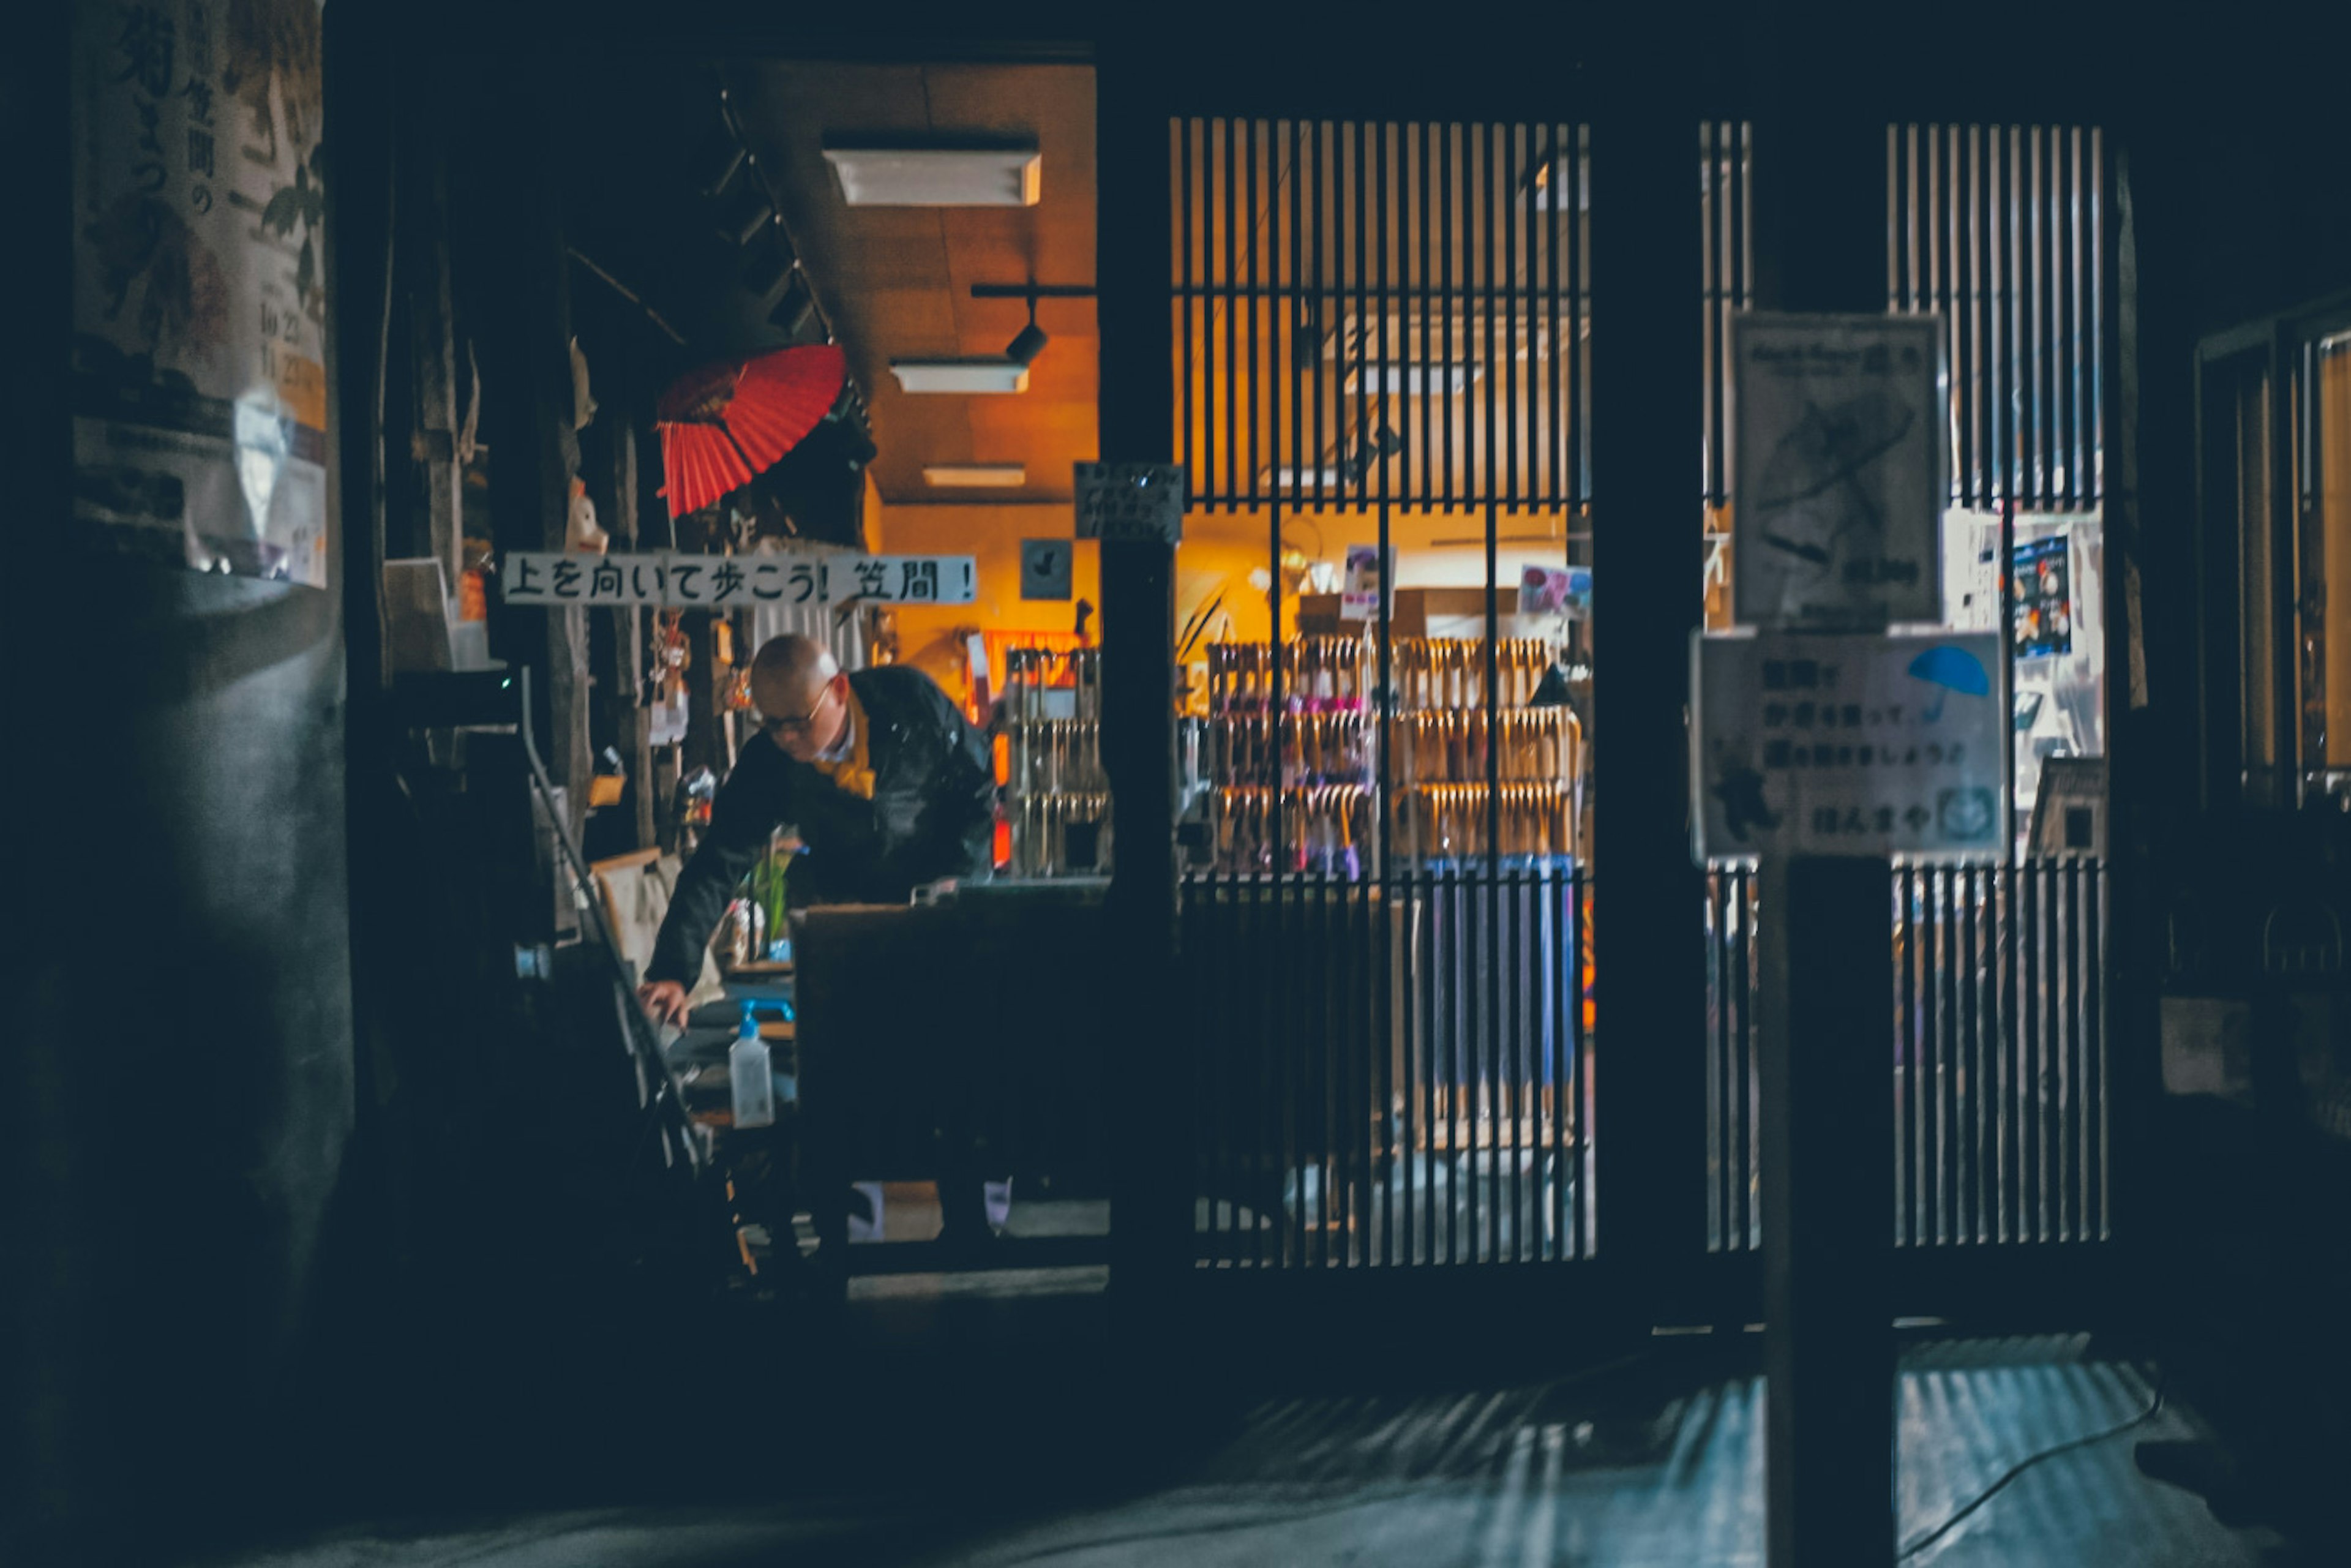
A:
(1294, 738)
(1057, 795)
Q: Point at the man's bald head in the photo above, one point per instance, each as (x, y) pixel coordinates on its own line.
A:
(794, 683)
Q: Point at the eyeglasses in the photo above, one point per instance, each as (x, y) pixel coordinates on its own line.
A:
(799, 724)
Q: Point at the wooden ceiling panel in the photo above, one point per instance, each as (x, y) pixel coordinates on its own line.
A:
(897, 281)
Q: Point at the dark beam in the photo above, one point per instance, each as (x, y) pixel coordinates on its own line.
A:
(1648, 899)
(1152, 1237)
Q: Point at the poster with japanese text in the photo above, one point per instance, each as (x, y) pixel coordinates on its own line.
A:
(198, 381)
(1839, 441)
(1851, 746)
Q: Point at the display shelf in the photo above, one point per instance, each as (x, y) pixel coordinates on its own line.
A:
(1293, 748)
(1057, 796)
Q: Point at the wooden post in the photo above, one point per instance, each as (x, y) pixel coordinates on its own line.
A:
(628, 629)
(1826, 1133)
(1648, 924)
(1152, 1240)
(1827, 1150)
(439, 386)
(534, 451)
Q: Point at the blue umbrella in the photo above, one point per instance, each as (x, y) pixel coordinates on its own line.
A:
(1953, 669)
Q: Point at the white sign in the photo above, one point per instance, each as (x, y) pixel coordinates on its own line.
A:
(1045, 569)
(1359, 590)
(1850, 746)
(1555, 591)
(1130, 501)
(199, 381)
(681, 579)
(1839, 452)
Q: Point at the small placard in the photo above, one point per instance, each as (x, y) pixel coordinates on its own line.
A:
(2044, 598)
(1045, 567)
(1359, 595)
(1132, 501)
(1851, 746)
(679, 579)
(1555, 591)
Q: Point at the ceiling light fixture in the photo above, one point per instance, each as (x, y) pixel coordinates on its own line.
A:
(976, 475)
(1028, 342)
(938, 176)
(979, 376)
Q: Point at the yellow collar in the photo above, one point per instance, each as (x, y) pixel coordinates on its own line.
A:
(853, 773)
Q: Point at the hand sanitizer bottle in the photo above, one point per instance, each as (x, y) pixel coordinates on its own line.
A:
(746, 1073)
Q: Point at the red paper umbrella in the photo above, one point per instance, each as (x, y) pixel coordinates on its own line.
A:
(725, 423)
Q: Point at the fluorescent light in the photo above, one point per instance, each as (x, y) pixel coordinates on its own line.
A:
(997, 375)
(938, 177)
(977, 475)
(1414, 379)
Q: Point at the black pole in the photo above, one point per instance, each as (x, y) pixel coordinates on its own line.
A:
(1647, 408)
(1827, 1116)
(1151, 1237)
(1828, 1152)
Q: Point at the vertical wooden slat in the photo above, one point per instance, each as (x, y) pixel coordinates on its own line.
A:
(1327, 956)
(1909, 1186)
(1251, 285)
(1947, 1115)
(1424, 451)
(1561, 215)
(2102, 1167)
(2034, 1083)
(2093, 486)
(1559, 893)
(1228, 370)
(1580, 1218)
(1717, 1066)
(2077, 391)
(2036, 467)
(1405, 1234)
(1980, 1226)
(1577, 241)
(1387, 353)
(1505, 375)
(1187, 302)
(1722, 266)
(1324, 301)
(1306, 318)
(1432, 1037)
(1355, 438)
(1999, 1035)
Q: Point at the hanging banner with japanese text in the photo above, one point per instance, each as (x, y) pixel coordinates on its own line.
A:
(681, 579)
(1851, 746)
(198, 385)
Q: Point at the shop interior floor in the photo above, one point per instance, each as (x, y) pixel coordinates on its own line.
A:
(1652, 1463)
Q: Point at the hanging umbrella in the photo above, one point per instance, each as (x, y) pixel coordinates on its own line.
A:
(725, 423)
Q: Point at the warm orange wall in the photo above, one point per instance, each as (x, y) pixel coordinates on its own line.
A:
(992, 536)
(1218, 552)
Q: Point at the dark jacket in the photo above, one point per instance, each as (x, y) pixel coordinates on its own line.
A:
(932, 815)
